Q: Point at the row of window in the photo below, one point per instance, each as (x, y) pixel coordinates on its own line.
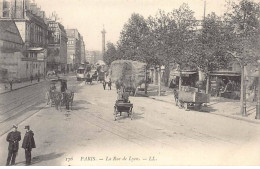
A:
(37, 34)
(33, 65)
(10, 45)
(70, 42)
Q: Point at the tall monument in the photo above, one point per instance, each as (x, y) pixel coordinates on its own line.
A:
(103, 42)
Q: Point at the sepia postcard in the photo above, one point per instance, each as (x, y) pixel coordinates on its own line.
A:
(129, 83)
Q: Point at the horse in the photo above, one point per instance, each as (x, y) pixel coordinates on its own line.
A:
(57, 97)
(176, 96)
(68, 99)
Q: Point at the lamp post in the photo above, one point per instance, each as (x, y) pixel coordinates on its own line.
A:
(243, 91)
(160, 70)
(258, 94)
(243, 87)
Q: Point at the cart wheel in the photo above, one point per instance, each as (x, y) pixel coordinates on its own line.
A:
(132, 113)
(185, 106)
(180, 104)
(115, 113)
(199, 107)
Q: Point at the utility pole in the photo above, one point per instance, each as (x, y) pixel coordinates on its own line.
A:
(243, 91)
(258, 93)
(159, 81)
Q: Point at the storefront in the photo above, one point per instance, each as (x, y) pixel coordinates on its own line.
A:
(189, 78)
(225, 84)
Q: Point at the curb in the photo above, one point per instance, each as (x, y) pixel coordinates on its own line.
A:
(223, 115)
(20, 87)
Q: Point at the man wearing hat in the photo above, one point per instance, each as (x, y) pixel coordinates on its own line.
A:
(13, 138)
(28, 144)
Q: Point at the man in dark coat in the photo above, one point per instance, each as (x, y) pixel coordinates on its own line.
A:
(28, 144)
(13, 138)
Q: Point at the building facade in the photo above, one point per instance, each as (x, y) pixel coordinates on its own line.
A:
(93, 56)
(57, 47)
(32, 26)
(82, 52)
(75, 49)
(11, 47)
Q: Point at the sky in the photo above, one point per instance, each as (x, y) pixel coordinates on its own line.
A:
(89, 16)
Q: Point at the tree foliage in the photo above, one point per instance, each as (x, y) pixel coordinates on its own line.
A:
(244, 19)
(110, 54)
(132, 44)
(177, 37)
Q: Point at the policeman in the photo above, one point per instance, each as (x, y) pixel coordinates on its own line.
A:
(13, 138)
(28, 144)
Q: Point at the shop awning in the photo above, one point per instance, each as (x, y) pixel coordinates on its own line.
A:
(35, 49)
(184, 73)
(225, 74)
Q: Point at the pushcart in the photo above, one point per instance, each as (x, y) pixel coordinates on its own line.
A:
(121, 106)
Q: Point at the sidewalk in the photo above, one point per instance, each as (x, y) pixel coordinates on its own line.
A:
(218, 105)
(17, 86)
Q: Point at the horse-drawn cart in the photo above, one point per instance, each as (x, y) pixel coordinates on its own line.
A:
(121, 106)
(189, 97)
(58, 95)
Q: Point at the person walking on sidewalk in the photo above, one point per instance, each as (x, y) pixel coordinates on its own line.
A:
(28, 144)
(38, 78)
(11, 84)
(31, 78)
(13, 138)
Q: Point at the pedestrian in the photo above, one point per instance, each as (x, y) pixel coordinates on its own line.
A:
(171, 84)
(11, 84)
(28, 144)
(31, 77)
(6, 87)
(38, 77)
(109, 84)
(13, 138)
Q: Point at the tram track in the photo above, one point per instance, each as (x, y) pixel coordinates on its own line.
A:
(19, 103)
(16, 113)
(113, 123)
(23, 119)
(17, 99)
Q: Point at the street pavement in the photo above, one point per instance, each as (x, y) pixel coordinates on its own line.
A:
(159, 134)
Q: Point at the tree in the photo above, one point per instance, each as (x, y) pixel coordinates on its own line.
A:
(131, 42)
(184, 43)
(110, 54)
(162, 33)
(210, 45)
(244, 40)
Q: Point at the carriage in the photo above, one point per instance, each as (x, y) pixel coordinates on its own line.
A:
(101, 76)
(190, 97)
(58, 95)
(95, 76)
(88, 80)
(122, 106)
